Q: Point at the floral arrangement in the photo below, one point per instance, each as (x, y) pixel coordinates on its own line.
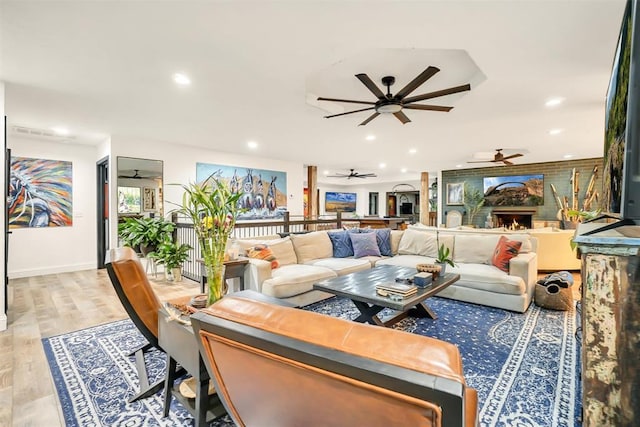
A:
(213, 209)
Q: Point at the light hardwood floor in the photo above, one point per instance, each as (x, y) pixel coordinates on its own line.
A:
(45, 306)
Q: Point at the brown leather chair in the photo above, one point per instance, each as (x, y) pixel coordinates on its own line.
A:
(141, 303)
(285, 367)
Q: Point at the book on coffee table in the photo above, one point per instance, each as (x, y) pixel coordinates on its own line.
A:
(397, 288)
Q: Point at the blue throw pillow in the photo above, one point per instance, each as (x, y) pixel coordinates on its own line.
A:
(383, 237)
(364, 244)
(341, 244)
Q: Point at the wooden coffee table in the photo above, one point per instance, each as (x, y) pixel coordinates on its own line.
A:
(360, 288)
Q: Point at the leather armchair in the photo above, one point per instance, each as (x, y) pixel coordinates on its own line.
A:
(283, 366)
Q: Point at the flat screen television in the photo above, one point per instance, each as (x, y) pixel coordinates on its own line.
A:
(406, 208)
(339, 202)
(514, 190)
(621, 175)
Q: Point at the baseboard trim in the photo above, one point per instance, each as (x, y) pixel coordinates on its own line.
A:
(51, 270)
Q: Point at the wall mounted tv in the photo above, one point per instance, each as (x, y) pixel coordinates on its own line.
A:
(621, 175)
(339, 202)
(514, 190)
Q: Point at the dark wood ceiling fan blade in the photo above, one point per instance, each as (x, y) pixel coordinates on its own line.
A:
(437, 93)
(427, 107)
(415, 83)
(371, 117)
(506, 162)
(481, 161)
(371, 85)
(349, 112)
(512, 156)
(402, 117)
(346, 100)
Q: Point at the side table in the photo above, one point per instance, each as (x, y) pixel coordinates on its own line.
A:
(181, 346)
(233, 269)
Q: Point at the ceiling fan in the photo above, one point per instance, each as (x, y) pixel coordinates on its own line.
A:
(394, 104)
(353, 174)
(499, 157)
(136, 175)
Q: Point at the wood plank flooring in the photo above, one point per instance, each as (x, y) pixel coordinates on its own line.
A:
(45, 306)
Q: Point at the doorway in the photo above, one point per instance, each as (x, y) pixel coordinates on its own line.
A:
(102, 170)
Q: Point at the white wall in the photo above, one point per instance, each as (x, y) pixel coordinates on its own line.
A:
(37, 251)
(3, 295)
(180, 168)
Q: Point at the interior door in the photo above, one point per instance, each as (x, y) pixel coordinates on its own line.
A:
(102, 170)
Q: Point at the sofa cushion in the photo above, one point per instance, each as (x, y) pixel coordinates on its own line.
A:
(415, 242)
(364, 244)
(526, 246)
(312, 246)
(474, 248)
(504, 251)
(295, 279)
(282, 248)
(487, 278)
(383, 237)
(263, 252)
(343, 266)
(341, 244)
(406, 261)
(396, 236)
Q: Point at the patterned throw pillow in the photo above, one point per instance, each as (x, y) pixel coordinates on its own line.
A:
(341, 244)
(505, 250)
(383, 237)
(364, 244)
(263, 252)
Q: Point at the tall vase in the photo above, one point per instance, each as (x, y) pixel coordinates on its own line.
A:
(213, 249)
(215, 282)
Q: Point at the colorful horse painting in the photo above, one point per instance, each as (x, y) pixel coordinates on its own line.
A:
(40, 193)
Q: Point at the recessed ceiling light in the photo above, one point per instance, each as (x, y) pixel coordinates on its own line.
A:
(370, 137)
(555, 131)
(413, 151)
(325, 172)
(382, 165)
(61, 131)
(554, 102)
(403, 170)
(252, 144)
(181, 79)
(568, 156)
(458, 166)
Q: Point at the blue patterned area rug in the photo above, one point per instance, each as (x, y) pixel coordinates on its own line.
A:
(524, 366)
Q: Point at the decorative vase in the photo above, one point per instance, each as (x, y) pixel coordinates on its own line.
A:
(443, 267)
(213, 251)
(176, 272)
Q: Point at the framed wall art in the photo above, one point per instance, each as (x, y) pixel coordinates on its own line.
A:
(455, 193)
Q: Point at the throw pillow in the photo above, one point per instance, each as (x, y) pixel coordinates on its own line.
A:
(341, 244)
(383, 237)
(505, 250)
(364, 244)
(263, 252)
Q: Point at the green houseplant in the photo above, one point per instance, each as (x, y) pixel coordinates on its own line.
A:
(146, 232)
(172, 255)
(213, 209)
(444, 256)
(473, 201)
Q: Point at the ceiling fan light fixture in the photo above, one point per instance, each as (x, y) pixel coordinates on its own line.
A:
(389, 108)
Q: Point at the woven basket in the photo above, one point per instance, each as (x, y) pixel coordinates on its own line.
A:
(429, 268)
(553, 297)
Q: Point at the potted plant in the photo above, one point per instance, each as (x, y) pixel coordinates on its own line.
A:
(148, 233)
(125, 230)
(473, 201)
(444, 256)
(172, 255)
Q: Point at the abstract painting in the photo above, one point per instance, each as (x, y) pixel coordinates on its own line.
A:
(264, 192)
(40, 193)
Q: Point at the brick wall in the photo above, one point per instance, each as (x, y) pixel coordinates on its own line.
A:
(556, 173)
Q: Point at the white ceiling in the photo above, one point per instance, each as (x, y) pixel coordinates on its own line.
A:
(104, 68)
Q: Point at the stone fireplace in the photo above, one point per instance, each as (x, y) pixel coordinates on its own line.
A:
(512, 218)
